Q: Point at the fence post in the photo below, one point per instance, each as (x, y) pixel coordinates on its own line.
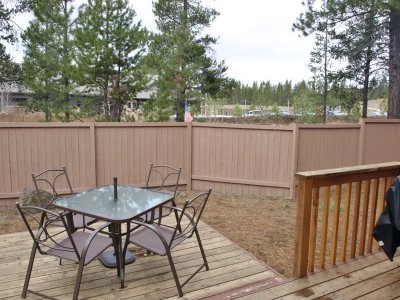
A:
(303, 219)
(295, 152)
(361, 143)
(93, 153)
(189, 153)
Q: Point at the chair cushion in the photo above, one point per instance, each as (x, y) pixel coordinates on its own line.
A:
(65, 250)
(147, 239)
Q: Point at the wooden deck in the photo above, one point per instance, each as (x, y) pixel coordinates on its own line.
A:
(149, 277)
(233, 274)
(373, 277)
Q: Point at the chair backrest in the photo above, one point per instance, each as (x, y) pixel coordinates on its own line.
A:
(163, 179)
(38, 220)
(54, 181)
(190, 216)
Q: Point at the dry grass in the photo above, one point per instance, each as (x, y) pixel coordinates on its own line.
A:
(262, 225)
(10, 220)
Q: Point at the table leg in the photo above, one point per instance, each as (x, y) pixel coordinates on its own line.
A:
(70, 222)
(115, 230)
(120, 256)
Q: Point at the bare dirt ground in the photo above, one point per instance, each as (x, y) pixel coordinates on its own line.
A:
(262, 225)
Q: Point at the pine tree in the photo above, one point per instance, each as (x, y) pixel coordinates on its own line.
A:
(110, 47)
(9, 70)
(362, 41)
(320, 56)
(47, 65)
(180, 54)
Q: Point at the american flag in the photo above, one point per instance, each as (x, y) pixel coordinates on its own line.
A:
(188, 116)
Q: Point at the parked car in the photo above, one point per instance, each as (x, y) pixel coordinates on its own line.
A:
(252, 113)
(379, 114)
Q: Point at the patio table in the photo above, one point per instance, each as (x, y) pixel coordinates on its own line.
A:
(100, 203)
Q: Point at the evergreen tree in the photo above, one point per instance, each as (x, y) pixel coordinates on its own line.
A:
(237, 111)
(47, 65)
(379, 88)
(9, 70)
(320, 58)
(110, 48)
(363, 43)
(180, 53)
(359, 30)
(8, 9)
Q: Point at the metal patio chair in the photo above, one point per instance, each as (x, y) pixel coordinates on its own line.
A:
(79, 246)
(161, 239)
(162, 178)
(57, 183)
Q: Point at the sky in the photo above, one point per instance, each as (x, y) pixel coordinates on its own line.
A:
(254, 38)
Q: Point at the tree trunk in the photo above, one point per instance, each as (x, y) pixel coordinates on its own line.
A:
(367, 69)
(66, 61)
(325, 69)
(394, 65)
(180, 113)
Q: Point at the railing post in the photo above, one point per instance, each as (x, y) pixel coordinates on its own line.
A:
(304, 202)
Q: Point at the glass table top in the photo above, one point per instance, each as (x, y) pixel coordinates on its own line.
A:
(99, 202)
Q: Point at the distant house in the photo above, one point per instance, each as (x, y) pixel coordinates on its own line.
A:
(140, 98)
(11, 95)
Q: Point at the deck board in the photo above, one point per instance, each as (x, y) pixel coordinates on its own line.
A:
(148, 277)
(372, 277)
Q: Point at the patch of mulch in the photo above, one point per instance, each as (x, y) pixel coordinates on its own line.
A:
(262, 225)
(10, 220)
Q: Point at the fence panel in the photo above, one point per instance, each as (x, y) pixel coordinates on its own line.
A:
(29, 148)
(381, 141)
(126, 151)
(242, 159)
(327, 146)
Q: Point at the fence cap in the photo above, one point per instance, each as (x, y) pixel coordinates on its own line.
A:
(350, 170)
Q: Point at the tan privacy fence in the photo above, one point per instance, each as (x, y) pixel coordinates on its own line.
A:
(240, 159)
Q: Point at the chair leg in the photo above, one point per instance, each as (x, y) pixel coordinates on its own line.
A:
(79, 278)
(201, 249)
(171, 263)
(29, 271)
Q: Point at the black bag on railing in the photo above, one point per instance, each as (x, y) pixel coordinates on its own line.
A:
(387, 228)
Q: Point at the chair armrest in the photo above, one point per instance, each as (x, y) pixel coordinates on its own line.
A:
(100, 229)
(92, 236)
(172, 207)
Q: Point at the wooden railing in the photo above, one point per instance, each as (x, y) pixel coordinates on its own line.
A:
(336, 213)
